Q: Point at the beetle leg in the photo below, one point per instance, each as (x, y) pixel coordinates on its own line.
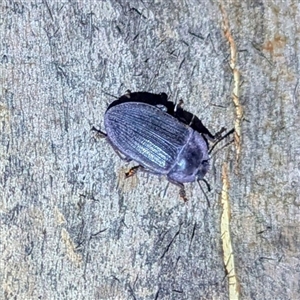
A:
(123, 158)
(182, 193)
(179, 104)
(139, 168)
(218, 134)
(221, 138)
(102, 134)
(127, 93)
(132, 171)
(192, 120)
(99, 133)
(162, 107)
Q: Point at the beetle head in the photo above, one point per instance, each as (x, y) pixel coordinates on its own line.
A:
(203, 168)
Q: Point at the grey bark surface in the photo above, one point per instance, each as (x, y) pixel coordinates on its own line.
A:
(71, 226)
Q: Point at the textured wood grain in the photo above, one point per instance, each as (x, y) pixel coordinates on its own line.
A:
(71, 226)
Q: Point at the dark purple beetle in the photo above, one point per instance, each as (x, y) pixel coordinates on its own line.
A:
(159, 135)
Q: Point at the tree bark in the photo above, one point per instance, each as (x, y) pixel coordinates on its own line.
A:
(72, 227)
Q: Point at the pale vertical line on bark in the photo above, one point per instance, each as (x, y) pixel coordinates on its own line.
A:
(236, 84)
(228, 256)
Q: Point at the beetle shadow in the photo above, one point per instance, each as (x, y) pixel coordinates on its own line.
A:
(161, 101)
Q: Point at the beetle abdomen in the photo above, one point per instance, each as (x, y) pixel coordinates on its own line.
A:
(146, 134)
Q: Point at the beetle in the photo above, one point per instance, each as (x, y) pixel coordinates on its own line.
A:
(160, 136)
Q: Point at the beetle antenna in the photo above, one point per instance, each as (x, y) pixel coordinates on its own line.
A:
(220, 139)
(227, 144)
(208, 188)
(207, 184)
